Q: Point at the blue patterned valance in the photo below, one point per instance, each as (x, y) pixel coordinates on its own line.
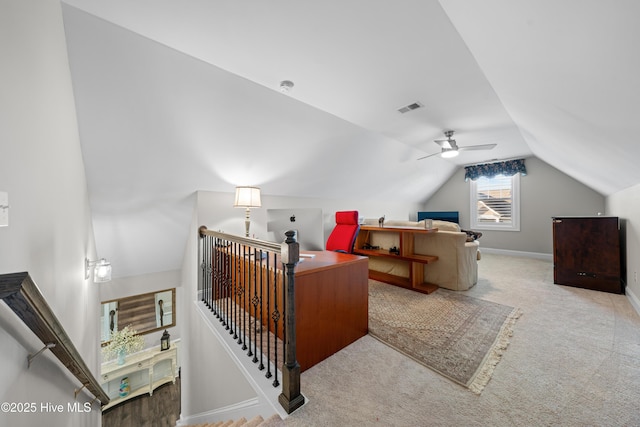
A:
(508, 168)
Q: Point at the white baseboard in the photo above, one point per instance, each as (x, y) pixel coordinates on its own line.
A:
(537, 255)
(633, 298)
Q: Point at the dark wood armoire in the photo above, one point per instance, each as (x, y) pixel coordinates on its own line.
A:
(587, 253)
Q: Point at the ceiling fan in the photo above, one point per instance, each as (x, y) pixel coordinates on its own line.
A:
(450, 147)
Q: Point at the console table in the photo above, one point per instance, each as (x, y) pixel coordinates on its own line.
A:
(146, 370)
(405, 241)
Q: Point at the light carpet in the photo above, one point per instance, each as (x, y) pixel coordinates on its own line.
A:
(460, 337)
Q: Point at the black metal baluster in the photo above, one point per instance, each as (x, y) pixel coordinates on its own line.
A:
(254, 303)
(202, 267)
(276, 319)
(209, 272)
(250, 278)
(227, 283)
(216, 280)
(236, 272)
(222, 304)
(205, 269)
(243, 283)
(268, 374)
(262, 273)
(219, 282)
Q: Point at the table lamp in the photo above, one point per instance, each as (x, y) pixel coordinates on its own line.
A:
(247, 197)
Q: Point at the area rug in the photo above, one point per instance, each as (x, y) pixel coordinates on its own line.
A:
(460, 337)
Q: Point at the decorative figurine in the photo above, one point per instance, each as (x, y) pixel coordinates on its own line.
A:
(124, 387)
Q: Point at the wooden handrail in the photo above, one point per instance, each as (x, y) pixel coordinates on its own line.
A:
(255, 243)
(22, 295)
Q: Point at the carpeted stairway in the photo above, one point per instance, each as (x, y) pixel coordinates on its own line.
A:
(257, 421)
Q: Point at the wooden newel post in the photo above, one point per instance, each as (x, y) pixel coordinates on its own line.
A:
(290, 398)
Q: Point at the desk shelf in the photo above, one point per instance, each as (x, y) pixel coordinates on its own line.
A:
(423, 259)
(405, 237)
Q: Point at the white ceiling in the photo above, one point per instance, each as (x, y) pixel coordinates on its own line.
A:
(176, 96)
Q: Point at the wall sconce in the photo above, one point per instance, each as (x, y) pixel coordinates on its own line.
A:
(101, 270)
(247, 197)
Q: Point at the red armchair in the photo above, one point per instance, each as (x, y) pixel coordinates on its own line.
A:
(343, 236)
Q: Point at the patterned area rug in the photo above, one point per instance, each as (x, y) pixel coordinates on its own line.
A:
(460, 337)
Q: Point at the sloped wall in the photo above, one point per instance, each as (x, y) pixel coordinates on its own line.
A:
(545, 192)
(50, 232)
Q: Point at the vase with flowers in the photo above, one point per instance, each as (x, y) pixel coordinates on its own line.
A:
(123, 342)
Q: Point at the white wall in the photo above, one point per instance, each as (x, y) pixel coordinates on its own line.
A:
(50, 231)
(626, 205)
(544, 192)
(217, 211)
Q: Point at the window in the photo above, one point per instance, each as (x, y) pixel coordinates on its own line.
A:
(495, 203)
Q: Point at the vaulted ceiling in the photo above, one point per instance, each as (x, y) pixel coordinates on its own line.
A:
(174, 97)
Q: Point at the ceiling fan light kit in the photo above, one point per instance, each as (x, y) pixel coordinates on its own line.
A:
(448, 153)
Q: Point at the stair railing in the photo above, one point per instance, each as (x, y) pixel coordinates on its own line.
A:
(248, 284)
(22, 295)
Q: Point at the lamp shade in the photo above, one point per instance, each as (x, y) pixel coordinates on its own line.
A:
(247, 197)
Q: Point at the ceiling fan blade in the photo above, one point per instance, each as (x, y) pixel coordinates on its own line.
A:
(478, 147)
(430, 155)
(445, 143)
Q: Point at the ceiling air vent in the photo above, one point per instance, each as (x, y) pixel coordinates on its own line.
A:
(410, 107)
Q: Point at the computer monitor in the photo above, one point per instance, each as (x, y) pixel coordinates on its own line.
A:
(451, 216)
(306, 222)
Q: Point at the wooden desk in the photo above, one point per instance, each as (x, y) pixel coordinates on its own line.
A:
(331, 304)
